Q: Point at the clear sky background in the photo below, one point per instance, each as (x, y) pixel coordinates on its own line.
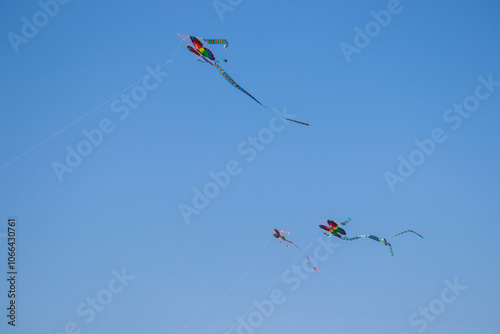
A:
(118, 209)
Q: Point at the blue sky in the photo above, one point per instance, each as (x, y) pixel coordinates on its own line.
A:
(102, 244)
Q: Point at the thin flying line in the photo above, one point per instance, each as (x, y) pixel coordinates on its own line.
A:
(88, 113)
(225, 293)
(265, 293)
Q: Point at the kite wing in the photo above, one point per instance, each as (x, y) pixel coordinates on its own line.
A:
(332, 223)
(195, 46)
(324, 228)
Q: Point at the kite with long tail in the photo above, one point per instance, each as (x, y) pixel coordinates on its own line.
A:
(278, 234)
(340, 233)
(203, 54)
(334, 228)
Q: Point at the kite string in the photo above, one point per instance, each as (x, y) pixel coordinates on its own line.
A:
(227, 291)
(90, 112)
(232, 82)
(272, 285)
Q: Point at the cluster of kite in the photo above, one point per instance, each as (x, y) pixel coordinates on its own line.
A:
(340, 233)
(334, 229)
(196, 46)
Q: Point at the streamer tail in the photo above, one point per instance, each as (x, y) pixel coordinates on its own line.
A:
(407, 232)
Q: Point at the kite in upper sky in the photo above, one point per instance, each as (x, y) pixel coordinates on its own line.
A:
(340, 233)
(203, 54)
(277, 234)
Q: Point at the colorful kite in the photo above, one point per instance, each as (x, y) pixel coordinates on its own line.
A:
(277, 235)
(203, 54)
(334, 229)
(339, 232)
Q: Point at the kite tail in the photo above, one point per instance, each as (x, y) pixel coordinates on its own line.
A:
(373, 237)
(232, 82)
(280, 115)
(346, 222)
(356, 238)
(292, 120)
(311, 265)
(390, 247)
(217, 41)
(293, 244)
(331, 235)
(284, 232)
(407, 232)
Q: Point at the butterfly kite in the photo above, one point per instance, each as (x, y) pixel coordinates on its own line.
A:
(196, 46)
(278, 235)
(339, 232)
(334, 229)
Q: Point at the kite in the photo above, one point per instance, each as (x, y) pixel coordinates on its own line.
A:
(196, 46)
(339, 232)
(277, 234)
(334, 229)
